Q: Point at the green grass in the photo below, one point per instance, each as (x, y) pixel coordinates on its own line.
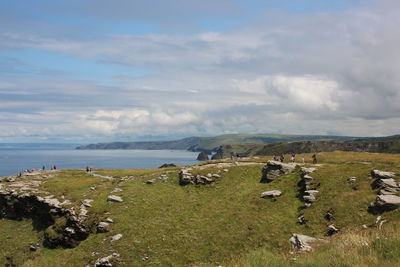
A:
(226, 223)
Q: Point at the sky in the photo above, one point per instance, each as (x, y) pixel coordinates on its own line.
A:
(124, 70)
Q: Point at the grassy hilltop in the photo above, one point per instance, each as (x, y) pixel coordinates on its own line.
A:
(224, 223)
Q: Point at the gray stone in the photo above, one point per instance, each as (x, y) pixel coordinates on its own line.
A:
(332, 230)
(103, 227)
(273, 169)
(151, 181)
(107, 261)
(271, 194)
(116, 237)
(303, 242)
(385, 203)
(310, 198)
(109, 220)
(377, 174)
(113, 198)
(352, 180)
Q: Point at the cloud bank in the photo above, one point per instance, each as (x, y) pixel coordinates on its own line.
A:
(321, 72)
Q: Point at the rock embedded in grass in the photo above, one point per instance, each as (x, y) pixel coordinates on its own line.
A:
(273, 169)
(303, 242)
(377, 174)
(103, 227)
(116, 237)
(114, 198)
(107, 261)
(352, 180)
(271, 194)
(385, 203)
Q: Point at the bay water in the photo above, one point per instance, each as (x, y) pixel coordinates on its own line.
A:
(16, 158)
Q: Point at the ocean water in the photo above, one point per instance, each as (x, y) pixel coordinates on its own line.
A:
(15, 158)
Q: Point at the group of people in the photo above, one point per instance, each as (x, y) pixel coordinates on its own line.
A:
(89, 168)
(52, 167)
(281, 158)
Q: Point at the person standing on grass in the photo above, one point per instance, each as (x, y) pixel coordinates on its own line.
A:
(282, 158)
(314, 159)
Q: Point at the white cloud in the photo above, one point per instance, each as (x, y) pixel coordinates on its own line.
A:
(316, 73)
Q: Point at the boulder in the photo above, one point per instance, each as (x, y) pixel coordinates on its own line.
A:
(185, 178)
(388, 185)
(151, 181)
(113, 198)
(332, 230)
(377, 174)
(108, 261)
(273, 169)
(303, 242)
(385, 203)
(271, 194)
(116, 237)
(202, 156)
(103, 227)
(352, 180)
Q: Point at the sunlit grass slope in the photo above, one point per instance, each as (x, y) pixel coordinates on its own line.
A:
(227, 223)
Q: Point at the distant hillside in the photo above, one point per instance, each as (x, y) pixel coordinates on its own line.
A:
(209, 144)
(374, 145)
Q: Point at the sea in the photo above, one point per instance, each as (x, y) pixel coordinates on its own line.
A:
(15, 158)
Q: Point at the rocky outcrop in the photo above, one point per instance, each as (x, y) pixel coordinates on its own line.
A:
(202, 156)
(303, 242)
(377, 174)
(185, 178)
(273, 169)
(19, 201)
(384, 182)
(108, 261)
(384, 203)
(271, 194)
(308, 188)
(114, 198)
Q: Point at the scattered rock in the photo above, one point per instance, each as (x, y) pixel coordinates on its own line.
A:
(225, 170)
(117, 190)
(163, 177)
(109, 220)
(108, 261)
(103, 227)
(329, 215)
(377, 174)
(86, 202)
(151, 181)
(332, 230)
(271, 194)
(202, 156)
(273, 169)
(385, 203)
(303, 242)
(388, 185)
(301, 219)
(185, 178)
(352, 180)
(116, 237)
(113, 198)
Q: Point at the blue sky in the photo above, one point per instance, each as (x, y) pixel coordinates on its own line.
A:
(98, 70)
